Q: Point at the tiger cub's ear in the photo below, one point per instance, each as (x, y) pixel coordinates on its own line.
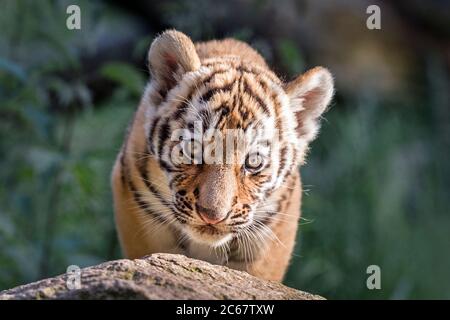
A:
(310, 94)
(170, 56)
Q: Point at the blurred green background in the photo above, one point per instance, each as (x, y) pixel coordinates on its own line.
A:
(377, 182)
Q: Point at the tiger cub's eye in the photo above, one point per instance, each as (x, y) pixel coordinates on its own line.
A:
(254, 162)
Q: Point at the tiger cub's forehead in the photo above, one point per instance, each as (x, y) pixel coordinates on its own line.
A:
(226, 94)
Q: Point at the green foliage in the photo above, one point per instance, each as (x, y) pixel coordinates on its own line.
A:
(125, 75)
(290, 56)
(55, 175)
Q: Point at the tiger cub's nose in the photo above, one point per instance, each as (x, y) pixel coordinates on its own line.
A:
(211, 216)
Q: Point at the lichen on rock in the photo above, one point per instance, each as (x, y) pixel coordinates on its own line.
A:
(158, 276)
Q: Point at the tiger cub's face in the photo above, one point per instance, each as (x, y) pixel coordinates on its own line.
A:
(227, 133)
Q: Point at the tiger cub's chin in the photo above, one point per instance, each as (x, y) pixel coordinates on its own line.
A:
(179, 185)
(207, 235)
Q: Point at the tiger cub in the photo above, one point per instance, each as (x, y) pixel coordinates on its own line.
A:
(180, 185)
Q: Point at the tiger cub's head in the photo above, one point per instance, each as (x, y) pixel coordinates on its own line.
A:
(227, 132)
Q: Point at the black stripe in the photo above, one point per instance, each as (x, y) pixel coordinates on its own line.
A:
(187, 204)
(276, 104)
(294, 162)
(240, 214)
(261, 181)
(208, 94)
(283, 152)
(164, 133)
(164, 165)
(152, 133)
(142, 169)
(181, 110)
(124, 149)
(183, 107)
(144, 205)
(175, 179)
(141, 163)
(212, 75)
(122, 166)
(237, 223)
(277, 108)
(258, 99)
(162, 92)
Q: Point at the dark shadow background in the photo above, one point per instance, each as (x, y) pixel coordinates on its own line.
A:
(377, 183)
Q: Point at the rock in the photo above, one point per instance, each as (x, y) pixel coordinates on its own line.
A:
(158, 276)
